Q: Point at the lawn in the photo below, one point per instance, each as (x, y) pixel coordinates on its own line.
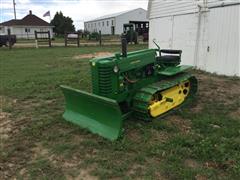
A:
(199, 141)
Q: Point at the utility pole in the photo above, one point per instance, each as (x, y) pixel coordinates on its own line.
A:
(14, 4)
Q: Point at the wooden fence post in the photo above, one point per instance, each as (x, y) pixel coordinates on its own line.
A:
(65, 38)
(9, 39)
(100, 38)
(36, 41)
(78, 39)
(49, 39)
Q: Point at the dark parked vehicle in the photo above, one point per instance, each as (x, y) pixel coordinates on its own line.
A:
(145, 37)
(130, 31)
(4, 40)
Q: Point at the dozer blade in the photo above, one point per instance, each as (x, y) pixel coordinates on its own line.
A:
(98, 114)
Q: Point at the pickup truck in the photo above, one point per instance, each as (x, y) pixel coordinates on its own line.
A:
(4, 40)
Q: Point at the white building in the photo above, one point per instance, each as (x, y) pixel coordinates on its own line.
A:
(113, 23)
(206, 30)
(25, 27)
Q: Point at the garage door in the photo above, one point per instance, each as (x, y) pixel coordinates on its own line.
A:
(223, 49)
(184, 36)
(161, 31)
(176, 32)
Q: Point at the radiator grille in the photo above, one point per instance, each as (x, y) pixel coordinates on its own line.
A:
(105, 81)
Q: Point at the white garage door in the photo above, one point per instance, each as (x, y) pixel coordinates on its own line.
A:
(223, 27)
(176, 32)
(210, 41)
(184, 36)
(161, 30)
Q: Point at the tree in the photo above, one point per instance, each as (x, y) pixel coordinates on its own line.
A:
(62, 24)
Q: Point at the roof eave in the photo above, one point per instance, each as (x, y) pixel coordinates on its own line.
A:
(26, 25)
(113, 16)
(100, 19)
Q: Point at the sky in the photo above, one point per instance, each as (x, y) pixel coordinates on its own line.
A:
(78, 10)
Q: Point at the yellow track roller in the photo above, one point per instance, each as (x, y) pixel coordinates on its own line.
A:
(166, 100)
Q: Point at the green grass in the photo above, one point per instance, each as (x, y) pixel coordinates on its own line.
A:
(186, 144)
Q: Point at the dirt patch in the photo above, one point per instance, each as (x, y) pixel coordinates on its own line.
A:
(211, 164)
(23, 171)
(137, 171)
(200, 177)
(134, 135)
(159, 136)
(225, 165)
(85, 174)
(75, 164)
(5, 118)
(197, 107)
(77, 138)
(93, 55)
(10, 125)
(159, 176)
(5, 125)
(30, 104)
(219, 90)
(135, 168)
(235, 114)
(183, 125)
(39, 151)
(216, 88)
(103, 54)
(191, 163)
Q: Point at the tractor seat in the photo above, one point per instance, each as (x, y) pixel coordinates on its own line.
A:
(169, 59)
(172, 57)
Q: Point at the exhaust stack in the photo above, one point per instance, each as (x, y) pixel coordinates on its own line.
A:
(124, 45)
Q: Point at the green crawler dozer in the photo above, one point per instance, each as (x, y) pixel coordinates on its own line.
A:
(145, 84)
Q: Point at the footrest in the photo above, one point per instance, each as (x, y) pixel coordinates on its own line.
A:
(170, 71)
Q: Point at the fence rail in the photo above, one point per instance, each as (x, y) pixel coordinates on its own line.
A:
(43, 39)
(72, 38)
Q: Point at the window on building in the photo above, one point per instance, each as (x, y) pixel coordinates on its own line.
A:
(2, 29)
(89, 25)
(147, 25)
(95, 24)
(103, 23)
(112, 22)
(107, 23)
(27, 30)
(99, 24)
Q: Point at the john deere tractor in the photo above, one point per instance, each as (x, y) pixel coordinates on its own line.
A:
(144, 84)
